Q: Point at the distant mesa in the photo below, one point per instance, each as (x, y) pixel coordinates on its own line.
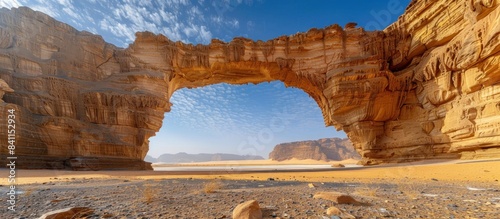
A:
(326, 149)
(150, 159)
(195, 158)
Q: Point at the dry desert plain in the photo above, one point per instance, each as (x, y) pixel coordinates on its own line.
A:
(430, 189)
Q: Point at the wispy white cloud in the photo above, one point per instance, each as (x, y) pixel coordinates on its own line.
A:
(180, 20)
(177, 19)
(10, 3)
(234, 23)
(72, 13)
(195, 13)
(89, 18)
(117, 28)
(66, 3)
(45, 9)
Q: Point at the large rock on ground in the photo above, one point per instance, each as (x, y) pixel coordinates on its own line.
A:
(248, 210)
(336, 197)
(425, 87)
(68, 213)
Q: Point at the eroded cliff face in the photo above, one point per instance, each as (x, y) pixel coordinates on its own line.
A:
(450, 51)
(326, 149)
(75, 96)
(425, 87)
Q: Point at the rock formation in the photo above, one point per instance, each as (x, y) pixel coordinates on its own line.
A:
(326, 149)
(425, 87)
(4, 88)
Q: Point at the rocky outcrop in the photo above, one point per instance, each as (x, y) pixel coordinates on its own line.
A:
(425, 87)
(326, 149)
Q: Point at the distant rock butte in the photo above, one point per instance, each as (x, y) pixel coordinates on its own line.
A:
(150, 159)
(425, 87)
(327, 149)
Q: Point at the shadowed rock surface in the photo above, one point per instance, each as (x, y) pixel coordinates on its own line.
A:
(323, 149)
(425, 87)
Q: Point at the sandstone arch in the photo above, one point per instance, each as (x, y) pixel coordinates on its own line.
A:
(416, 90)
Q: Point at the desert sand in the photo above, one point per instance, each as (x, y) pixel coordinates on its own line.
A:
(430, 189)
(262, 162)
(445, 170)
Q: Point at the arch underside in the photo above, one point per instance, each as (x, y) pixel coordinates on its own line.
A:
(401, 94)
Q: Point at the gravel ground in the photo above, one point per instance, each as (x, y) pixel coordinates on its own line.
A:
(192, 198)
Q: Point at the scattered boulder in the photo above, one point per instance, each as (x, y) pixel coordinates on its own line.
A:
(384, 212)
(338, 165)
(247, 210)
(346, 215)
(333, 211)
(67, 213)
(336, 197)
(312, 185)
(107, 215)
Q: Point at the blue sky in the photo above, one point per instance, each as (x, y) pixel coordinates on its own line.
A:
(247, 119)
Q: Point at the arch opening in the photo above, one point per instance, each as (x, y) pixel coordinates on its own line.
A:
(239, 119)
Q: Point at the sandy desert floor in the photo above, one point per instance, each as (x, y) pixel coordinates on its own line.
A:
(263, 162)
(436, 189)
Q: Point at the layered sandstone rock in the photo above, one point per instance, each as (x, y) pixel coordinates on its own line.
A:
(425, 87)
(450, 52)
(78, 101)
(326, 149)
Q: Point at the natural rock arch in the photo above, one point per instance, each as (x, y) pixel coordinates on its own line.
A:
(400, 94)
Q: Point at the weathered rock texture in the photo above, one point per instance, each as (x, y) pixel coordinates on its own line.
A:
(425, 87)
(323, 149)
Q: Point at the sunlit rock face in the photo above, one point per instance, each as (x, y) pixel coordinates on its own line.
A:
(425, 87)
(326, 149)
